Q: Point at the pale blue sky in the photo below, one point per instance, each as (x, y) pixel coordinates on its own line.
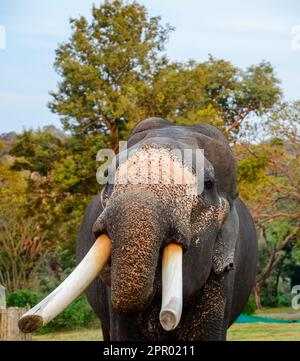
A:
(244, 32)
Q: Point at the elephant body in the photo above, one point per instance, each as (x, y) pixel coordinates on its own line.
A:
(214, 228)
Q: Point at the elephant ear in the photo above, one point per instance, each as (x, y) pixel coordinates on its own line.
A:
(224, 249)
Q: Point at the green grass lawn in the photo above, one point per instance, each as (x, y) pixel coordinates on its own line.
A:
(266, 311)
(237, 332)
(264, 332)
(80, 334)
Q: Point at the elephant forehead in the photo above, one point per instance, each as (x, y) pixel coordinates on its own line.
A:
(150, 165)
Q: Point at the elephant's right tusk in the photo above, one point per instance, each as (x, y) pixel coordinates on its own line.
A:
(171, 307)
(71, 287)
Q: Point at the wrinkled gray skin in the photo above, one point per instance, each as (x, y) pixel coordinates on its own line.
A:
(214, 228)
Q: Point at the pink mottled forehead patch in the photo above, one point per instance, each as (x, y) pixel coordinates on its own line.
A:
(150, 165)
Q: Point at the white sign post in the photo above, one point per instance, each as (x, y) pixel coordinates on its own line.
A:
(2, 297)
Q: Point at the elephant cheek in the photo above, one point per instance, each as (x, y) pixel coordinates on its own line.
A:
(222, 210)
(132, 278)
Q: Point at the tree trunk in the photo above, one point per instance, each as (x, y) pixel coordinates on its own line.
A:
(256, 291)
(114, 132)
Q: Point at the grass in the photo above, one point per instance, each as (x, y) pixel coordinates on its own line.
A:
(80, 334)
(264, 332)
(237, 332)
(266, 311)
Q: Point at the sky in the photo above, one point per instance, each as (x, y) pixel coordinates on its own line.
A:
(243, 32)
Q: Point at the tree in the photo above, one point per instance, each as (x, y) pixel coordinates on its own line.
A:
(114, 73)
(269, 176)
(60, 181)
(19, 246)
(46, 181)
(214, 92)
(105, 67)
(19, 251)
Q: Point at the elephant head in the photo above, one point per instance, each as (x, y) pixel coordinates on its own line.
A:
(142, 216)
(153, 200)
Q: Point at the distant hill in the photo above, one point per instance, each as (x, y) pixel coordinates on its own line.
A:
(55, 131)
(7, 139)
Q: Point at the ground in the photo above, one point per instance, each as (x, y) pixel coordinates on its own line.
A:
(238, 332)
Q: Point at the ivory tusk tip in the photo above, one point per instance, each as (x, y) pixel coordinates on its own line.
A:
(30, 323)
(168, 320)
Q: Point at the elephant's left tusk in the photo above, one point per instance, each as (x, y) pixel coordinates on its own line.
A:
(171, 307)
(72, 287)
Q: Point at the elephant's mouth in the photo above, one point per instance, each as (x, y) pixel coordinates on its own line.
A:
(97, 261)
(105, 274)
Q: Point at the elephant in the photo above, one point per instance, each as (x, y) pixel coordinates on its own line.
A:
(166, 251)
(213, 227)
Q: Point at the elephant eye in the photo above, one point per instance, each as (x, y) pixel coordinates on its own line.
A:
(208, 184)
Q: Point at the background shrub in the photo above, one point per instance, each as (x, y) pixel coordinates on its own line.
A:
(78, 314)
(22, 298)
(250, 307)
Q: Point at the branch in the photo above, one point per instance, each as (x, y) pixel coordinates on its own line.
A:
(275, 259)
(256, 211)
(281, 190)
(286, 172)
(268, 217)
(268, 244)
(286, 240)
(240, 118)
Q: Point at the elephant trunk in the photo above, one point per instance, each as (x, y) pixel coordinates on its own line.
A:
(137, 232)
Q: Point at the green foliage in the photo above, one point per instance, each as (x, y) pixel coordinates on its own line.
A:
(37, 151)
(276, 141)
(78, 314)
(22, 298)
(284, 300)
(61, 182)
(274, 295)
(250, 307)
(106, 65)
(252, 168)
(114, 72)
(260, 86)
(278, 229)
